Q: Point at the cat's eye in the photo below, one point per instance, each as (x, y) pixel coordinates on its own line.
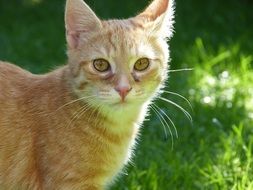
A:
(142, 64)
(101, 65)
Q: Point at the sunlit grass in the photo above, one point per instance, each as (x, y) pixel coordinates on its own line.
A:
(231, 167)
(223, 85)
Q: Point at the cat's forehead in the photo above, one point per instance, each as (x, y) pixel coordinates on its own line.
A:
(121, 41)
(127, 27)
(121, 24)
(119, 38)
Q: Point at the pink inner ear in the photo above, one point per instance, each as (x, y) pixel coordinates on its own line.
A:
(156, 9)
(73, 39)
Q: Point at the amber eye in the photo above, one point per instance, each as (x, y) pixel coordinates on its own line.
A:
(142, 64)
(101, 65)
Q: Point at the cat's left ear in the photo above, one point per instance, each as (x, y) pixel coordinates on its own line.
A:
(79, 19)
(158, 18)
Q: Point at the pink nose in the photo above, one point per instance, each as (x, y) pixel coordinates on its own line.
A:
(123, 91)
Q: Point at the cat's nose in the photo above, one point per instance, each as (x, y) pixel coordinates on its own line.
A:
(123, 91)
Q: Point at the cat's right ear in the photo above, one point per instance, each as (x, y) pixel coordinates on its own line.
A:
(158, 17)
(79, 18)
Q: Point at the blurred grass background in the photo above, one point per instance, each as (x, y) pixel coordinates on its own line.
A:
(215, 38)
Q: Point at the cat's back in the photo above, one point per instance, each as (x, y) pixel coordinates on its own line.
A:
(12, 77)
(11, 72)
(13, 80)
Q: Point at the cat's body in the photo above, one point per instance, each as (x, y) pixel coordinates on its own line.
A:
(40, 148)
(75, 127)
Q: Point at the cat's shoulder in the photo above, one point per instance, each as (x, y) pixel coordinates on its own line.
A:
(9, 69)
(6, 66)
(12, 76)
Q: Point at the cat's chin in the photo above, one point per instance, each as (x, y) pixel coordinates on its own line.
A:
(121, 104)
(125, 106)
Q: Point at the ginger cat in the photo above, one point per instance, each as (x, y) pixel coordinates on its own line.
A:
(75, 128)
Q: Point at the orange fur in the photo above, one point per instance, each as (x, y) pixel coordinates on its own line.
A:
(56, 130)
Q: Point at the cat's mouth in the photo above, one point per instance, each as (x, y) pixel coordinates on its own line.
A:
(125, 103)
(120, 102)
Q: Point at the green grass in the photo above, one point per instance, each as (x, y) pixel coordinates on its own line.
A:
(212, 37)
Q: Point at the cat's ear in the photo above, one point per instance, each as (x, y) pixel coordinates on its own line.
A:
(158, 18)
(79, 18)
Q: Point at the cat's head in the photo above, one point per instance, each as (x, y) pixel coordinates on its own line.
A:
(118, 63)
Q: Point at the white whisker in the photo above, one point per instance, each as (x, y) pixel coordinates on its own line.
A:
(176, 105)
(180, 70)
(98, 113)
(176, 94)
(172, 123)
(164, 122)
(74, 101)
(94, 110)
(78, 114)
